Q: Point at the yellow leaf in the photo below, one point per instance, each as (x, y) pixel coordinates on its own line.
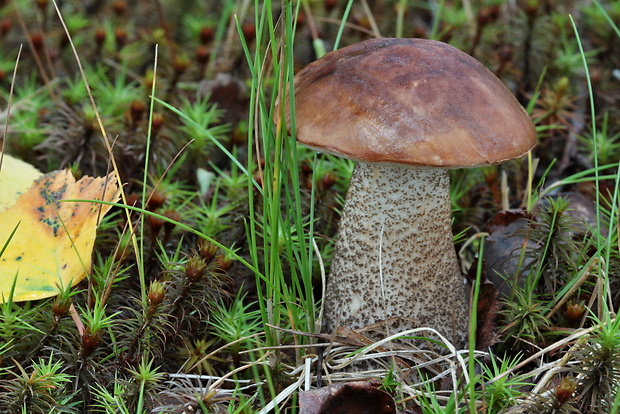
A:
(15, 178)
(54, 239)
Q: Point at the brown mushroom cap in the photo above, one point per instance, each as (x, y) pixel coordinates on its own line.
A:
(409, 101)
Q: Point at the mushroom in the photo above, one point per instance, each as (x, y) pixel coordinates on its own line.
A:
(407, 110)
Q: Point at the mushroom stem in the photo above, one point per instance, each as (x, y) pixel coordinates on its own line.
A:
(395, 256)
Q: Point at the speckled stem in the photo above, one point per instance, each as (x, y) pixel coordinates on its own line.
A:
(395, 255)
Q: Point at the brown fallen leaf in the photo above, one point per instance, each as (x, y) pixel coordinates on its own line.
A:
(348, 398)
(502, 249)
(510, 234)
(487, 311)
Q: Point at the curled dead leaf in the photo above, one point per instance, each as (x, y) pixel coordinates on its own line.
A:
(349, 398)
